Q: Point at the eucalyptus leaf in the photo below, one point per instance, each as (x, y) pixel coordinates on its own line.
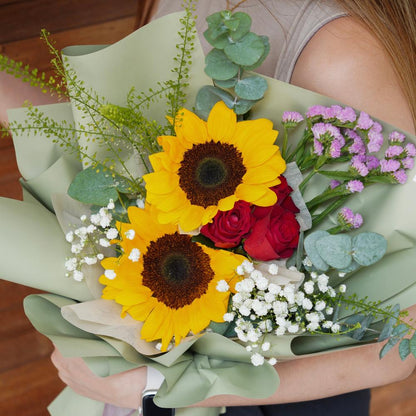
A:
(208, 96)
(335, 250)
(353, 266)
(413, 344)
(368, 248)
(388, 346)
(218, 66)
(218, 41)
(227, 83)
(219, 327)
(243, 106)
(360, 332)
(400, 331)
(389, 325)
(404, 348)
(312, 252)
(94, 185)
(266, 44)
(246, 51)
(244, 25)
(251, 88)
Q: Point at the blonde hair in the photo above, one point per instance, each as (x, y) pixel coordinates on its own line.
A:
(393, 22)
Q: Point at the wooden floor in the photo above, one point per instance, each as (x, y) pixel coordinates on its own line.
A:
(28, 381)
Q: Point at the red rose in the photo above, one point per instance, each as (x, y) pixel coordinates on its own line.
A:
(229, 227)
(275, 233)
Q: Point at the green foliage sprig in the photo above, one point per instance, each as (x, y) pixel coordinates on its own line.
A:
(236, 50)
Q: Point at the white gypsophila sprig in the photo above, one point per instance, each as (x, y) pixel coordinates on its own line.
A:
(88, 241)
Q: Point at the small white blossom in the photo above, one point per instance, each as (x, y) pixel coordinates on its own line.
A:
(307, 304)
(329, 310)
(90, 260)
(243, 310)
(274, 289)
(323, 283)
(293, 269)
(308, 287)
(259, 307)
(272, 361)
(110, 274)
(307, 262)
(257, 359)
(265, 346)
(280, 308)
(83, 218)
(248, 266)
(78, 275)
(91, 228)
(229, 316)
(262, 283)
(273, 269)
(129, 234)
(299, 296)
(253, 335)
(327, 324)
(320, 305)
(81, 232)
(71, 264)
(240, 270)
(335, 328)
(76, 248)
(222, 286)
(314, 275)
(312, 317)
(111, 204)
(249, 348)
(342, 288)
(331, 292)
(313, 326)
(280, 330)
(104, 242)
(69, 236)
(280, 321)
(100, 256)
(112, 233)
(256, 274)
(341, 274)
(266, 326)
(269, 297)
(245, 285)
(134, 255)
(95, 219)
(140, 203)
(237, 299)
(293, 328)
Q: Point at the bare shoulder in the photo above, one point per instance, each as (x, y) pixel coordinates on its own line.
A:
(345, 61)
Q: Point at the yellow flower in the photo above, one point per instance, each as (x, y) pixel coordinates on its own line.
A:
(208, 166)
(166, 280)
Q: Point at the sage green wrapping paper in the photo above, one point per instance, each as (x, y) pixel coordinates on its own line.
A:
(206, 365)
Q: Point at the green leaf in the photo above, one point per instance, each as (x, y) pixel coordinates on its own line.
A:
(243, 106)
(94, 185)
(400, 331)
(335, 250)
(244, 25)
(251, 88)
(218, 41)
(218, 66)
(413, 344)
(388, 346)
(228, 83)
(312, 252)
(266, 44)
(404, 348)
(219, 327)
(368, 248)
(364, 321)
(246, 51)
(208, 96)
(389, 325)
(340, 176)
(351, 268)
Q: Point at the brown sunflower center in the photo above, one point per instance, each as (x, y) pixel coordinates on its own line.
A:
(210, 172)
(177, 270)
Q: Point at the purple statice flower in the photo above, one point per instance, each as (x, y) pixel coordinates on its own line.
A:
(334, 183)
(393, 151)
(408, 163)
(364, 121)
(346, 115)
(292, 118)
(377, 127)
(354, 186)
(348, 218)
(318, 147)
(357, 147)
(335, 148)
(389, 165)
(315, 110)
(372, 162)
(329, 113)
(358, 163)
(320, 129)
(396, 137)
(375, 141)
(410, 149)
(400, 176)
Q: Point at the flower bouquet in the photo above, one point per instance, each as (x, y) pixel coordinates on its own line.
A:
(193, 241)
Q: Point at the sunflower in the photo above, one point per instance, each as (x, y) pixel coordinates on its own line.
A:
(166, 280)
(208, 166)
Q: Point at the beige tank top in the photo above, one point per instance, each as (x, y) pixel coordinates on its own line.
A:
(289, 24)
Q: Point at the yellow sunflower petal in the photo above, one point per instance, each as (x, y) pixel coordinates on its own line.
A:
(191, 218)
(262, 174)
(173, 147)
(162, 161)
(141, 311)
(258, 131)
(221, 123)
(226, 204)
(151, 327)
(267, 200)
(161, 182)
(190, 128)
(250, 193)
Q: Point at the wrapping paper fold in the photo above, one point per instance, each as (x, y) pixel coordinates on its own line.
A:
(202, 366)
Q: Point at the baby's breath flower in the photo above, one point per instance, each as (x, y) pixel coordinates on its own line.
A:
(308, 287)
(71, 264)
(134, 255)
(104, 242)
(229, 316)
(273, 269)
(112, 233)
(222, 286)
(293, 328)
(69, 236)
(90, 260)
(111, 204)
(272, 361)
(335, 328)
(257, 359)
(110, 274)
(129, 234)
(78, 275)
(274, 288)
(265, 346)
(342, 288)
